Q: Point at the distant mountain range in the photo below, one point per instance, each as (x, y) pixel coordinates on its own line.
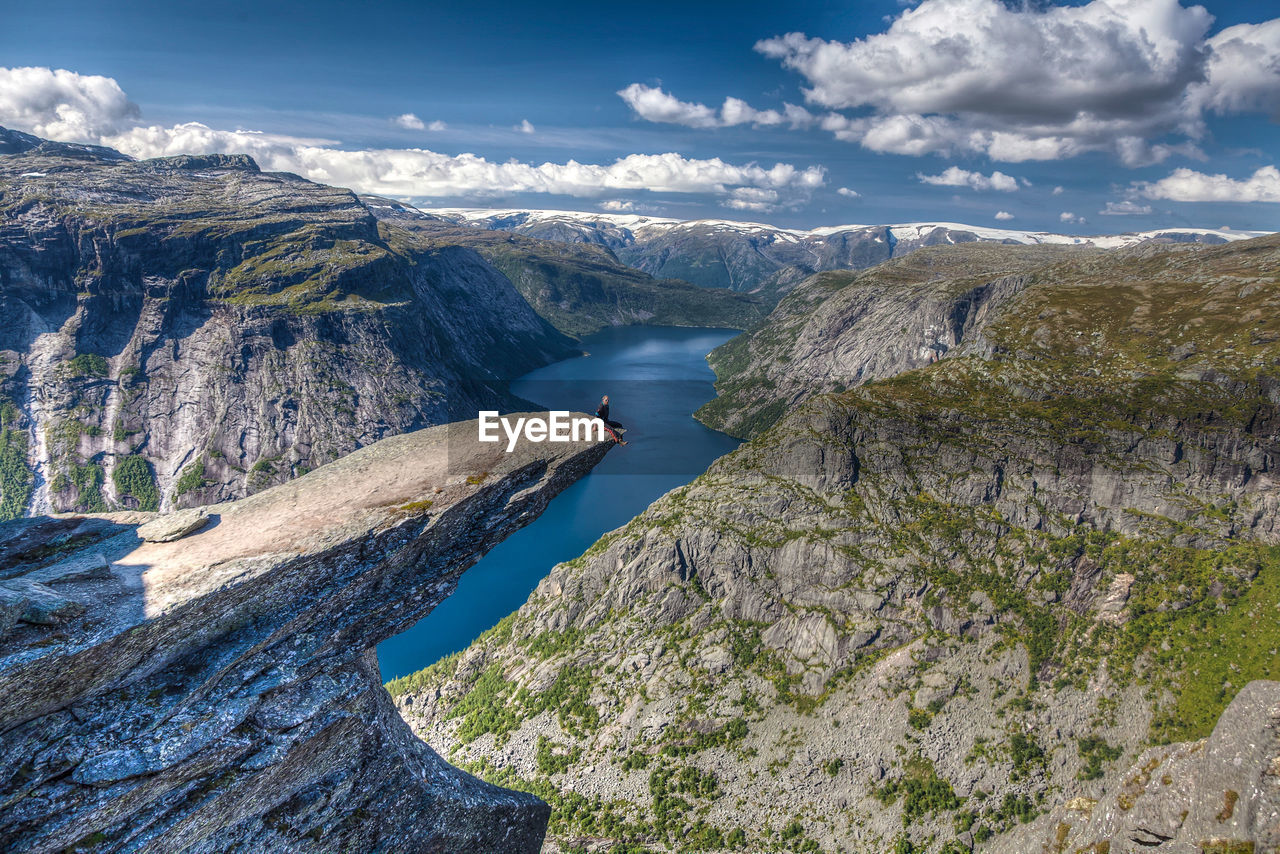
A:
(769, 260)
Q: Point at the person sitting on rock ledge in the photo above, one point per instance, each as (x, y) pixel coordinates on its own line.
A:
(603, 414)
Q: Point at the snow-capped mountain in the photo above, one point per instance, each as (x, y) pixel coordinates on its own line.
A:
(752, 256)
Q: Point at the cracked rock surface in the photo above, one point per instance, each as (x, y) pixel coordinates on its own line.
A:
(218, 691)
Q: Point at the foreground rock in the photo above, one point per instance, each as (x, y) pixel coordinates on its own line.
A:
(219, 691)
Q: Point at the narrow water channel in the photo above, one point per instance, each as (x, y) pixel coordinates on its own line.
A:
(655, 376)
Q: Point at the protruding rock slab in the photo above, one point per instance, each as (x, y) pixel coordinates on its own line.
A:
(174, 526)
(215, 688)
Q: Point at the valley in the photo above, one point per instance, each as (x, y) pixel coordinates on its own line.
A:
(973, 546)
(949, 604)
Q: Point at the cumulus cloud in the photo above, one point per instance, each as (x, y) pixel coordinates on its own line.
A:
(1068, 216)
(1128, 207)
(70, 107)
(64, 105)
(1058, 191)
(956, 177)
(1032, 81)
(654, 104)
(409, 121)
(849, 192)
(1187, 185)
(1003, 215)
(1243, 70)
(525, 126)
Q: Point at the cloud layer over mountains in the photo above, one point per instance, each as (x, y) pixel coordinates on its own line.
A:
(64, 105)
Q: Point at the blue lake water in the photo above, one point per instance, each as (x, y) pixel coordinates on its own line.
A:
(655, 377)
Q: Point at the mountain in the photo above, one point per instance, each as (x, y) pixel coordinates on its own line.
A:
(1018, 598)
(768, 260)
(206, 681)
(840, 329)
(190, 329)
(581, 287)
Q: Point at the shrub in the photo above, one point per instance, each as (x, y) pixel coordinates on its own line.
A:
(133, 478)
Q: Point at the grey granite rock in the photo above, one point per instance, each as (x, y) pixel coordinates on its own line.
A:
(220, 691)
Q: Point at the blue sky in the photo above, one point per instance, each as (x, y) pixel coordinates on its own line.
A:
(961, 110)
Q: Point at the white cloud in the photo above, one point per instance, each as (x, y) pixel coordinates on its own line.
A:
(849, 192)
(1058, 191)
(409, 121)
(954, 176)
(1243, 70)
(756, 199)
(1003, 215)
(1186, 185)
(629, 206)
(64, 105)
(656, 105)
(1031, 81)
(1127, 207)
(101, 114)
(1068, 216)
(525, 126)
(437, 126)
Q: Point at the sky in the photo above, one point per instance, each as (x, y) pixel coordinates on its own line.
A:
(1082, 118)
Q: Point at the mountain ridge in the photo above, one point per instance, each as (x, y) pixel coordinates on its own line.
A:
(768, 261)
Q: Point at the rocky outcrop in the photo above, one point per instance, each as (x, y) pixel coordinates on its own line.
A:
(219, 691)
(840, 330)
(934, 611)
(1218, 794)
(187, 330)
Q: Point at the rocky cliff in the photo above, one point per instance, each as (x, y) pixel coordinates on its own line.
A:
(188, 330)
(838, 330)
(582, 287)
(947, 609)
(205, 681)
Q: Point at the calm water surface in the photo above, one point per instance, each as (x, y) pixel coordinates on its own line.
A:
(655, 378)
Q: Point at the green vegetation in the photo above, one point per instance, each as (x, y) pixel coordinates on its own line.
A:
(921, 789)
(87, 480)
(551, 761)
(496, 705)
(191, 478)
(16, 479)
(1096, 753)
(133, 478)
(87, 365)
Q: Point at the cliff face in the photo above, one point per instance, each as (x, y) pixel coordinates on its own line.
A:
(838, 330)
(945, 609)
(218, 690)
(582, 287)
(188, 330)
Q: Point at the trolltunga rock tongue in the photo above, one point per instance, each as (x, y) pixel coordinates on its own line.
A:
(217, 689)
